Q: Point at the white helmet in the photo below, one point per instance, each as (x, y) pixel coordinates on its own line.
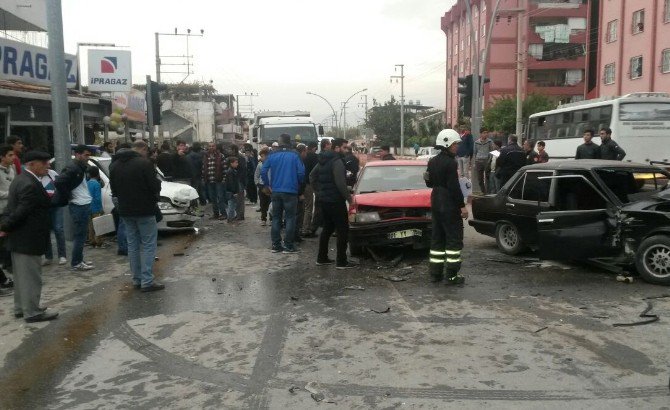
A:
(447, 137)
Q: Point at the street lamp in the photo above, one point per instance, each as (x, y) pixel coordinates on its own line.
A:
(344, 112)
(331, 106)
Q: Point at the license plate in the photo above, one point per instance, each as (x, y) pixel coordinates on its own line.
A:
(408, 233)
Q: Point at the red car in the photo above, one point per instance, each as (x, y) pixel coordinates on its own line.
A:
(390, 207)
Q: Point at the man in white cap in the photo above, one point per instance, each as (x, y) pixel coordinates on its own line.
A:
(26, 223)
(448, 209)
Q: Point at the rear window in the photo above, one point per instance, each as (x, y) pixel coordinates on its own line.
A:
(391, 178)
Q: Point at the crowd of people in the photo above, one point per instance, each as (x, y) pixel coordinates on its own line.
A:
(494, 164)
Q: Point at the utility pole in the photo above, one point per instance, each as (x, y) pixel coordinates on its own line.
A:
(59, 104)
(519, 73)
(365, 106)
(402, 101)
(150, 113)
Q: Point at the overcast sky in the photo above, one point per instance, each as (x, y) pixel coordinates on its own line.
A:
(280, 49)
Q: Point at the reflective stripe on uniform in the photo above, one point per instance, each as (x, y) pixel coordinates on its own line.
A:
(435, 260)
(437, 253)
(453, 253)
(449, 260)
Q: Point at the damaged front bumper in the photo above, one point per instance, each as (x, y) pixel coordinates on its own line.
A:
(415, 233)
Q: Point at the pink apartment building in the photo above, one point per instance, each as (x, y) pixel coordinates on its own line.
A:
(634, 47)
(555, 48)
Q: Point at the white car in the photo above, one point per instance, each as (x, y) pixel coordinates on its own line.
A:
(426, 153)
(178, 202)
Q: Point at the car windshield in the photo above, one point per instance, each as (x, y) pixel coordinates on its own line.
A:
(630, 185)
(298, 133)
(391, 178)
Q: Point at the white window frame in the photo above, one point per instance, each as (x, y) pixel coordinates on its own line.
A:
(610, 73)
(484, 30)
(638, 21)
(666, 11)
(665, 61)
(612, 31)
(632, 73)
(461, 67)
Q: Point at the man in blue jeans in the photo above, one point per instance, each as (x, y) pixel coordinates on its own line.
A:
(74, 178)
(286, 173)
(135, 185)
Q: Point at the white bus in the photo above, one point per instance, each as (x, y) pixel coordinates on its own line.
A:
(640, 124)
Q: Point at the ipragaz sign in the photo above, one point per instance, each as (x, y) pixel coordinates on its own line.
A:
(30, 64)
(109, 70)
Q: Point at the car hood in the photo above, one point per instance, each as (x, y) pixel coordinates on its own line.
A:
(179, 194)
(415, 198)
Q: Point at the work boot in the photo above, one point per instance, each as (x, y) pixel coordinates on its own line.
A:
(436, 272)
(456, 279)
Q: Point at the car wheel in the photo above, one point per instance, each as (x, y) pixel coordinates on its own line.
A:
(508, 239)
(653, 260)
(356, 250)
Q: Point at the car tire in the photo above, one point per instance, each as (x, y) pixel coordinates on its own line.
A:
(356, 250)
(509, 239)
(652, 260)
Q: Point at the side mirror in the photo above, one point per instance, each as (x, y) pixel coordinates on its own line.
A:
(321, 130)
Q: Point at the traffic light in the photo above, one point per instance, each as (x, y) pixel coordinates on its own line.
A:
(465, 98)
(466, 91)
(154, 91)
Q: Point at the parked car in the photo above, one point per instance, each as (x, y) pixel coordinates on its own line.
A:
(178, 202)
(390, 206)
(426, 153)
(608, 211)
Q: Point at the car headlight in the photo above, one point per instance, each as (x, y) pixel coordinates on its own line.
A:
(165, 206)
(367, 217)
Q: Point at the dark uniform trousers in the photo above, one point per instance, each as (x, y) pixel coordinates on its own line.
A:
(446, 243)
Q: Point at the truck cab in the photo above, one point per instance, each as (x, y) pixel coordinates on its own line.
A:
(269, 125)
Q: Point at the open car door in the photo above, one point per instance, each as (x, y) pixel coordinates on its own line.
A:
(583, 224)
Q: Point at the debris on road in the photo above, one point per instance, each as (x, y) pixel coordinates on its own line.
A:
(511, 261)
(312, 388)
(624, 279)
(645, 313)
(213, 279)
(392, 278)
(541, 329)
(293, 389)
(178, 254)
(301, 319)
(380, 259)
(294, 298)
(388, 309)
(354, 287)
(663, 296)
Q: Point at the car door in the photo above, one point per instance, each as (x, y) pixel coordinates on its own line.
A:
(528, 197)
(583, 223)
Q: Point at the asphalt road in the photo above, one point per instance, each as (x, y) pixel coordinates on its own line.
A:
(240, 327)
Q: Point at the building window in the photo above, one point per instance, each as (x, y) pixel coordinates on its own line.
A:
(609, 73)
(665, 67)
(484, 30)
(467, 63)
(462, 44)
(612, 28)
(638, 21)
(461, 68)
(636, 67)
(666, 12)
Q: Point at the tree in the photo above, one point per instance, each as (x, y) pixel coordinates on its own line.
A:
(385, 121)
(501, 116)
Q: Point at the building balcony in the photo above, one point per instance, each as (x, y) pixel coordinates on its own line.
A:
(552, 88)
(543, 9)
(578, 37)
(566, 64)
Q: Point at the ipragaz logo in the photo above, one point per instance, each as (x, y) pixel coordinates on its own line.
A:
(108, 65)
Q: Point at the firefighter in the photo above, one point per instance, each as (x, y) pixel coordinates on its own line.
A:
(448, 209)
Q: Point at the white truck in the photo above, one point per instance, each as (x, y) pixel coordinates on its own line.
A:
(269, 125)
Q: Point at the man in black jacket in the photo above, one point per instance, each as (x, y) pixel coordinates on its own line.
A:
(242, 176)
(511, 159)
(448, 208)
(26, 223)
(73, 182)
(310, 161)
(134, 183)
(589, 149)
(330, 175)
(609, 149)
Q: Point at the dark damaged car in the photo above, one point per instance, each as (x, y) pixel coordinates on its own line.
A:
(611, 212)
(390, 207)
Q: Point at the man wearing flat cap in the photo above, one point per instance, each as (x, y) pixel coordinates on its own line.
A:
(26, 224)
